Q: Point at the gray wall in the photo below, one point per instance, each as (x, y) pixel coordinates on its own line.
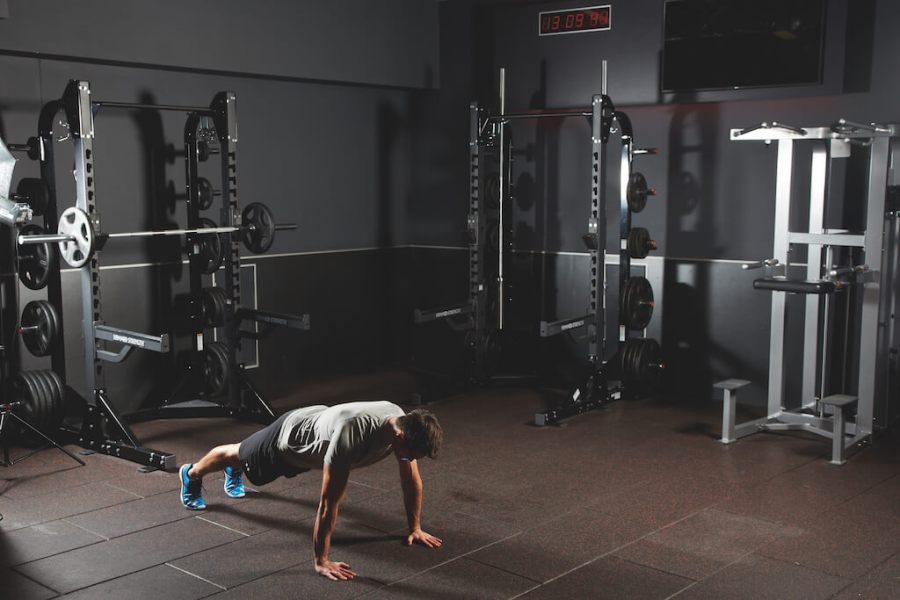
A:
(326, 93)
(390, 42)
(716, 198)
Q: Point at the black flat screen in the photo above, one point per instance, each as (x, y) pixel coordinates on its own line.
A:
(726, 44)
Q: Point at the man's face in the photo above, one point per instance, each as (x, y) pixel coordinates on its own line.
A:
(407, 454)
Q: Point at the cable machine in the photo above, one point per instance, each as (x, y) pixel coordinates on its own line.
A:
(849, 283)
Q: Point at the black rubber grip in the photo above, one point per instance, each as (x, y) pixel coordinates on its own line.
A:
(794, 286)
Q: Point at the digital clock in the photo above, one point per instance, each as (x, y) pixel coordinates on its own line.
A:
(575, 20)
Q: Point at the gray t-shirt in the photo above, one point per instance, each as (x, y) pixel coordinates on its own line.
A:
(344, 436)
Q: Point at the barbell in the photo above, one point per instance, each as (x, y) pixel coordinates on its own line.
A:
(77, 237)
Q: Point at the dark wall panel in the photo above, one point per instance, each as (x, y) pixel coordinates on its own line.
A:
(390, 43)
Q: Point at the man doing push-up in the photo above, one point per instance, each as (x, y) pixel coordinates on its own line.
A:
(335, 439)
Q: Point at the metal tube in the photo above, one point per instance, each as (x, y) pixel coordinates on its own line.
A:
(138, 105)
(581, 112)
(503, 182)
(603, 78)
(58, 237)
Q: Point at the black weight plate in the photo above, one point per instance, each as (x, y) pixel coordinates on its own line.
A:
(637, 192)
(49, 398)
(36, 193)
(493, 236)
(38, 399)
(59, 397)
(42, 314)
(627, 367)
(35, 261)
(492, 191)
(257, 227)
(20, 392)
(215, 369)
(44, 387)
(212, 247)
(637, 303)
(210, 307)
(205, 193)
(639, 242)
(222, 299)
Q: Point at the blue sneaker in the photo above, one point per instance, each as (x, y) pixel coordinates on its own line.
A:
(234, 483)
(191, 490)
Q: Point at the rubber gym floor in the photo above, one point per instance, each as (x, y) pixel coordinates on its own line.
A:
(637, 500)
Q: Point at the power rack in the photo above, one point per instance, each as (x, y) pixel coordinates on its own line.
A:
(208, 130)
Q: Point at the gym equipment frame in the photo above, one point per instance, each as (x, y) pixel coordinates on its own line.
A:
(852, 417)
(103, 428)
(482, 325)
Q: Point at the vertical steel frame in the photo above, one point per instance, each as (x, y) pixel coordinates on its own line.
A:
(477, 289)
(842, 426)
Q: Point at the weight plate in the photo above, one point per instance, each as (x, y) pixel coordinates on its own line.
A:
(636, 192)
(493, 236)
(35, 192)
(257, 227)
(492, 191)
(35, 262)
(76, 223)
(636, 303)
(59, 397)
(639, 242)
(212, 248)
(215, 369)
(205, 193)
(37, 398)
(41, 314)
(47, 396)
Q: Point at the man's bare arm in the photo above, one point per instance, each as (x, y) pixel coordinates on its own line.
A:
(334, 484)
(411, 483)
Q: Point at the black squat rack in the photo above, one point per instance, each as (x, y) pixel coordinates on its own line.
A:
(636, 361)
(213, 368)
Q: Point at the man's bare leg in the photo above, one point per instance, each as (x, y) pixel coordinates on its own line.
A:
(216, 460)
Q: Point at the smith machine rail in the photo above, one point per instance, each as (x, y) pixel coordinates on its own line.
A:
(854, 269)
(208, 130)
(482, 316)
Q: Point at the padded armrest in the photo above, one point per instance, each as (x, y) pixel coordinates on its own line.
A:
(794, 286)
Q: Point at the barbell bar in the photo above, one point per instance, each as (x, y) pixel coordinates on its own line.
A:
(77, 239)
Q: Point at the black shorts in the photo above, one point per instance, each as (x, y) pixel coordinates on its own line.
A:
(259, 455)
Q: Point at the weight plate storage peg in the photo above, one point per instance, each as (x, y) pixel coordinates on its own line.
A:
(637, 192)
(40, 327)
(636, 303)
(35, 262)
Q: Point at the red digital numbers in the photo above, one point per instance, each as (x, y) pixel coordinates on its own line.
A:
(584, 19)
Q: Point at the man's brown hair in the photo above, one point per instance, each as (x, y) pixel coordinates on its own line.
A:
(421, 432)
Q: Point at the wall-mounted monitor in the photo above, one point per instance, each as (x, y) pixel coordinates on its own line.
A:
(734, 44)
